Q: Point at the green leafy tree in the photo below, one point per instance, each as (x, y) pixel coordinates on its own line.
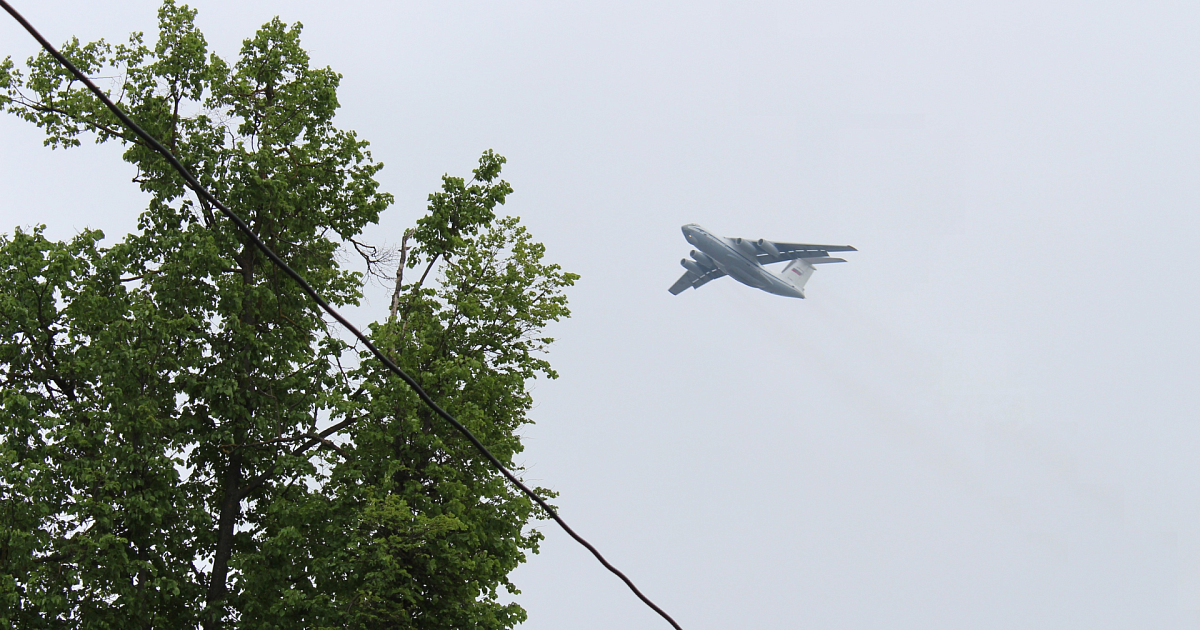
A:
(185, 441)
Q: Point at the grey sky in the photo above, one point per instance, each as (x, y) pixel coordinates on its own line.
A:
(987, 419)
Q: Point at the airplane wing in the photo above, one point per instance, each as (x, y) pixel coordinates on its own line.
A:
(790, 251)
(694, 280)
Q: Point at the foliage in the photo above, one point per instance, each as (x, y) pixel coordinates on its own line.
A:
(184, 440)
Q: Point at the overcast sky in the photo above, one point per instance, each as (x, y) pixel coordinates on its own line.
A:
(986, 419)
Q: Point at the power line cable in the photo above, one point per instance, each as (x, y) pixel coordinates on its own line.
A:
(202, 192)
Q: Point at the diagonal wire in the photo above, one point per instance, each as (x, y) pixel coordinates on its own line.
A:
(203, 193)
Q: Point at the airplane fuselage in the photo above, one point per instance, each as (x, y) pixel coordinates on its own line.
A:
(740, 264)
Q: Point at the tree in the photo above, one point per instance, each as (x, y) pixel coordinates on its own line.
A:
(184, 440)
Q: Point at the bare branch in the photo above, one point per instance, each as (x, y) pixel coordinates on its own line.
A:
(400, 272)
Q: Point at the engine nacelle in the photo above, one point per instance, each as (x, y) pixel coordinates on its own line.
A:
(769, 248)
(692, 267)
(703, 259)
(746, 246)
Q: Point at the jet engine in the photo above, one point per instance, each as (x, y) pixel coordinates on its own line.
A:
(692, 267)
(746, 246)
(703, 259)
(769, 248)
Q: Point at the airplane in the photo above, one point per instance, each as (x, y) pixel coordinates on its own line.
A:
(742, 259)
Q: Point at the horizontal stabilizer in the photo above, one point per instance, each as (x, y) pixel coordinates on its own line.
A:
(823, 260)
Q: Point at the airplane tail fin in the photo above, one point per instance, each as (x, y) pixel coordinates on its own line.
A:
(797, 273)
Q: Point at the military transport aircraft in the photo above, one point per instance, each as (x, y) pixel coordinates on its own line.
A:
(742, 259)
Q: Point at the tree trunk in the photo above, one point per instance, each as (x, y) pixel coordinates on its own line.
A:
(231, 508)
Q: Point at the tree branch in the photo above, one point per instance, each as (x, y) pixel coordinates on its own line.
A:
(314, 439)
(26, 102)
(400, 272)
